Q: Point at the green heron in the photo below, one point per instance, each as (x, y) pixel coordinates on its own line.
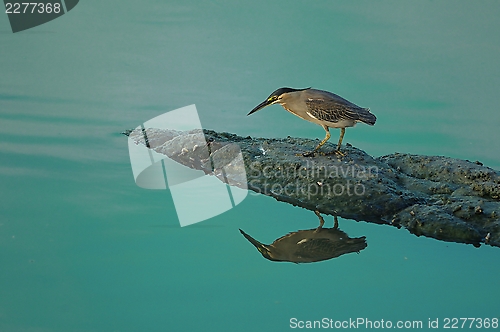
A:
(312, 245)
(320, 107)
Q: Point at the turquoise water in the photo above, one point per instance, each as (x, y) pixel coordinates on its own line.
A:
(82, 248)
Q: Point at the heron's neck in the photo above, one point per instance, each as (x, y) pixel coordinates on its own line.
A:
(283, 103)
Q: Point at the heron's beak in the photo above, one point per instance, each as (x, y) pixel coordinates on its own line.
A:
(261, 247)
(260, 106)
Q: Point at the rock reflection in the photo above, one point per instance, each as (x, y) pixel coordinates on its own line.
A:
(311, 245)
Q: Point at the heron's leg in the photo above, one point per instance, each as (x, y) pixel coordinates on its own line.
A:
(337, 151)
(321, 222)
(342, 133)
(327, 137)
(335, 222)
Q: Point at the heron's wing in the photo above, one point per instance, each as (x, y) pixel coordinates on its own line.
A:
(320, 249)
(333, 110)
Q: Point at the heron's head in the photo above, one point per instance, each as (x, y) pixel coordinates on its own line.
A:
(275, 98)
(262, 248)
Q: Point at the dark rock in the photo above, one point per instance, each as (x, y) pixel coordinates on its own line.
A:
(444, 198)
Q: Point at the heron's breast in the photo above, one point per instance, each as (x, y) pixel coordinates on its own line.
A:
(302, 115)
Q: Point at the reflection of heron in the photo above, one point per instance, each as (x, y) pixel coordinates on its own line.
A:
(310, 245)
(320, 107)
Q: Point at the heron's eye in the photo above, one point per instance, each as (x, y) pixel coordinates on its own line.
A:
(273, 98)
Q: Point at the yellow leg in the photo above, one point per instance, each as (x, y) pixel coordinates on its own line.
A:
(327, 137)
(342, 133)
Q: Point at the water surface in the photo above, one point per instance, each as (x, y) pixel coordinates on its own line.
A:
(84, 249)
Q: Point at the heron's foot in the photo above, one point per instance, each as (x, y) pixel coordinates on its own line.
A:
(317, 230)
(338, 153)
(307, 154)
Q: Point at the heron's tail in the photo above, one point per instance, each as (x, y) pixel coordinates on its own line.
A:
(366, 117)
